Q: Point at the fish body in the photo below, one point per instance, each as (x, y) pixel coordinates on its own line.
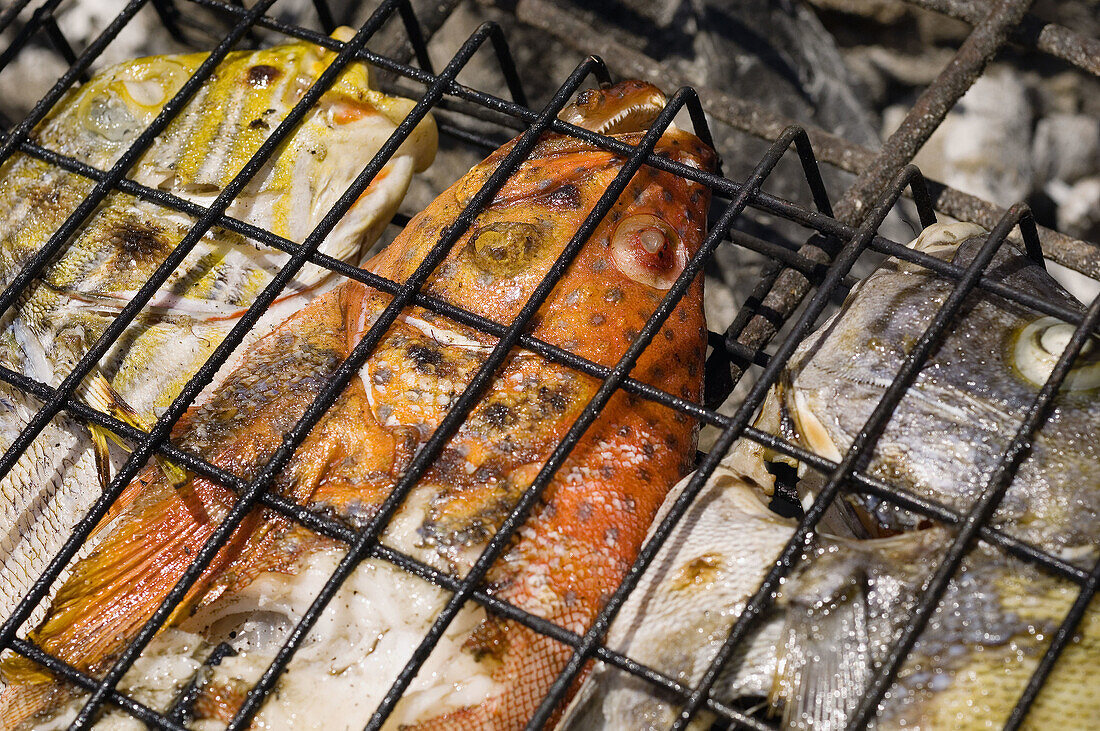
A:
(487, 672)
(959, 416)
(64, 311)
(812, 656)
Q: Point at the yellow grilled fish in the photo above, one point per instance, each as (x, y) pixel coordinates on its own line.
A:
(67, 308)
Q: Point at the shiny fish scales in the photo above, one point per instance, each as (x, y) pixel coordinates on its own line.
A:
(813, 655)
(64, 311)
(961, 412)
(487, 673)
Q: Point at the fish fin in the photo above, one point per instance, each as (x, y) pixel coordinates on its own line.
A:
(99, 393)
(117, 587)
(102, 453)
(824, 664)
(23, 706)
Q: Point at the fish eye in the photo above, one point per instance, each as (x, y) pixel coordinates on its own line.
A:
(1040, 343)
(648, 250)
(504, 248)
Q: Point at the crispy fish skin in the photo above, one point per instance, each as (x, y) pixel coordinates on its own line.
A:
(964, 407)
(488, 673)
(833, 623)
(66, 309)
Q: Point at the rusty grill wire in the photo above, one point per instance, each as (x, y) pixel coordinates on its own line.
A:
(821, 266)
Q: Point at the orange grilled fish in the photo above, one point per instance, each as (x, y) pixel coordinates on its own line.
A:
(486, 673)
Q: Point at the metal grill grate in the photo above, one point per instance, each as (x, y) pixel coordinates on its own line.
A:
(840, 239)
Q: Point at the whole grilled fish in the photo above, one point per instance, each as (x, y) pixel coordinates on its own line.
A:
(64, 311)
(812, 656)
(962, 411)
(487, 672)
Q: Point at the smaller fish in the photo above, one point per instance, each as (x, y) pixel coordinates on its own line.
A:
(958, 417)
(811, 657)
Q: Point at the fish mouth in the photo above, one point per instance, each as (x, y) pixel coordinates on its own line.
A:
(629, 106)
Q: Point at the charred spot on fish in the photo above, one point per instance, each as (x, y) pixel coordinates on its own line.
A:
(667, 195)
(648, 449)
(504, 248)
(613, 295)
(258, 123)
(552, 398)
(702, 570)
(596, 319)
(488, 641)
(381, 375)
(624, 430)
(261, 75)
(566, 196)
(499, 415)
(644, 475)
(667, 332)
(425, 359)
(138, 240)
(584, 512)
(599, 264)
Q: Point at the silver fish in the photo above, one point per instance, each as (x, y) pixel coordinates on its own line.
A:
(811, 658)
(958, 417)
(67, 308)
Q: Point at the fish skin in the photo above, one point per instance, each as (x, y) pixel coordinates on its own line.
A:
(680, 612)
(833, 622)
(568, 557)
(77, 296)
(964, 407)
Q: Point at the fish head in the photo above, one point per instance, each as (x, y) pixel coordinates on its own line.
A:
(250, 90)
(625, 267)
(971, 395)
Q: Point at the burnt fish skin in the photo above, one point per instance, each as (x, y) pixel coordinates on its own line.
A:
(487, 672)
(812, 656)
(958, 417)
(63, 311)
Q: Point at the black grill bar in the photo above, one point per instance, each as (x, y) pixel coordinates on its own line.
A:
(11, 12)
(1005, 20)
(74, 676)
(591, 411)
(607, 614)
(358, 357)
(80, 66)
(1058, 643)
(86, 363)
(760, 200)
(840, 267)
(190, 392)
(59, 238)
(858, 455)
